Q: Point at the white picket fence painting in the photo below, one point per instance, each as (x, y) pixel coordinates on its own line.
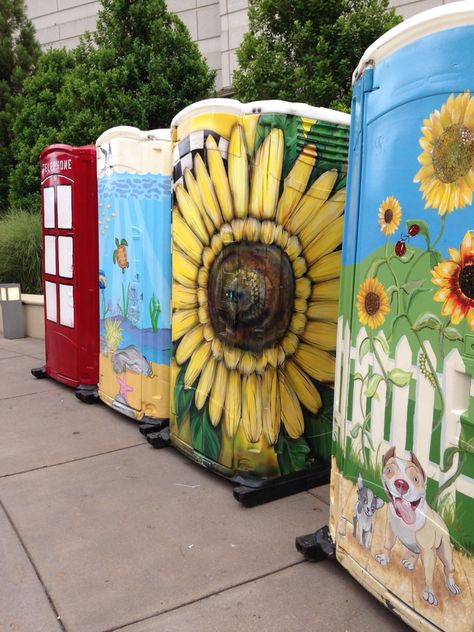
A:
(456, 385)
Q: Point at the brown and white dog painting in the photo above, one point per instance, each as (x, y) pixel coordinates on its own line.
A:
(412, 521)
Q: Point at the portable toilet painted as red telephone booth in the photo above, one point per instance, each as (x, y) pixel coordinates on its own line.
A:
(70, 265)
(402, 484)
(257, 228)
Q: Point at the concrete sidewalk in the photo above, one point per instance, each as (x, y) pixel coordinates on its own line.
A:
(99, 532)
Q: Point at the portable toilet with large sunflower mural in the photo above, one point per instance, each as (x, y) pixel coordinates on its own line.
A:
(402, 487)
(259, 195)
(134, 185)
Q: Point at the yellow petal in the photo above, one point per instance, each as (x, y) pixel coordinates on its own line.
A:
(249, 124)
(247, 363)
(191, 214)
(326, 268)
(219, 178)
(324, 310)
(233, 403)
(299, 267)
(302, 287)
(326, 291)
(184, 270)
(195, 365)
(312, 201)
(293, 247)
(320, 365)
(297, 323)
(203, 277)
(183, 297)
(193, 190)
(205, 383)
(189, 343)
(271, 406)
(328, 240)
(256, 188)
(238, 229)
(325, 216)
(321, 334)
(291, 413)
(252, 407)
(218, 394)
(238, 167)
(231, 357)
(183, 320)
(272, 175)
(290, 343)
(295, 183)
(186, 239)
(206, 188)
(305, 390)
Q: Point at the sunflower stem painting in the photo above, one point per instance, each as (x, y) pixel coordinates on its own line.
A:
(257, 236)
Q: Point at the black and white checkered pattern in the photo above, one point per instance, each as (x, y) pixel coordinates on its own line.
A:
(183, 153)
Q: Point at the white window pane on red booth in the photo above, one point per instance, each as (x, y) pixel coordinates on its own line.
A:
(50, 254)
(66, 305)
(51, 301)
(64, 194)
(65, 257)
(48, 207)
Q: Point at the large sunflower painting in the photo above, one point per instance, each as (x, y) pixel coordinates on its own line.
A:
(257, 232)
(446, 176)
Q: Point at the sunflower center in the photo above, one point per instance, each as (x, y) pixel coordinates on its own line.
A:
(453, 153)
(466, 281)
(388, 215)
(251, 293)
(372, 303)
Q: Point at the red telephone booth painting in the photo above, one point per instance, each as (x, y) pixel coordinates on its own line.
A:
(70, 264)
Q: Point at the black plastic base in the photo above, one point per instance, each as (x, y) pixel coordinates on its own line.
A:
(253, 491)
(149, 425)
(39, 373)
(87, 393)
(159, 438)
(317, 546)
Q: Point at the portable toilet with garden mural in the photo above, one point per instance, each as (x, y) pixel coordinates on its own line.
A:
(69, 229)
(402, 487)
(259, 194)
(134, 185)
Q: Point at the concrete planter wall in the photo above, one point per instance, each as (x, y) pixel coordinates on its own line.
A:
(33, 305)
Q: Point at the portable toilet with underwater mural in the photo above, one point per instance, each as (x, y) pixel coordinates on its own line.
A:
(402, 484)
(69, 266)
(134, 185)
(259, 193)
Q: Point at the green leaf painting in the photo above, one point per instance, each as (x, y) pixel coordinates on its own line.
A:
(206, 439)
(292, 454)
(183, 398)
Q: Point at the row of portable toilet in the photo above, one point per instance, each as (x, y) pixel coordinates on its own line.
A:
(230, 333)
(250, 325)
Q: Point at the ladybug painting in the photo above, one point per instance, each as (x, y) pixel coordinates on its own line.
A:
(120, 254)
(400, 248)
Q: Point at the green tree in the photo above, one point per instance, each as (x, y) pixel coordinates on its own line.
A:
(19, 51)
(139, 68)
(306, 50)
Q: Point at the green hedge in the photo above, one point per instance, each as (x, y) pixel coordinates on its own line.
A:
(20, 250)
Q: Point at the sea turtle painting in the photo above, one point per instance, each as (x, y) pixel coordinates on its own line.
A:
(120, 254)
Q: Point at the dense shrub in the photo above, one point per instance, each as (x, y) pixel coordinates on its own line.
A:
(20, 250)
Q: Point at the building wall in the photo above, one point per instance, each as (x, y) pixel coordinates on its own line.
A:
(216, 25)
